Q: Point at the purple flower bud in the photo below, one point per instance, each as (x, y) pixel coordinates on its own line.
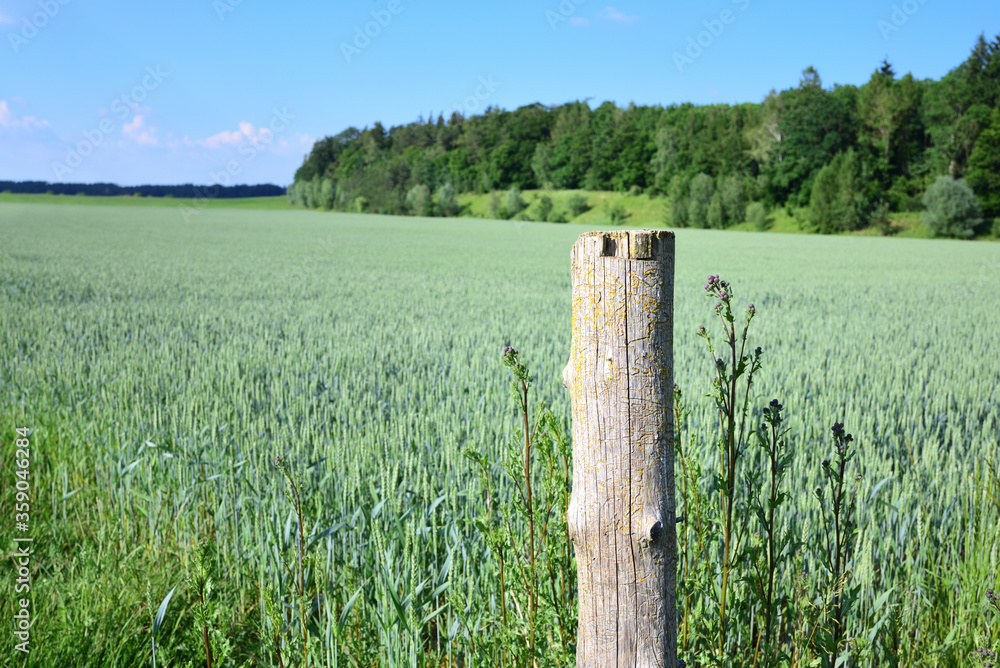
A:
(721, 363)
(724, 296)
(509, 351)
(701, 330)
(718, 306)
(757, 351)
(848, 438)
(838, 429)
(826, 463)
(751, 309)
(774, 404)
(724, 284)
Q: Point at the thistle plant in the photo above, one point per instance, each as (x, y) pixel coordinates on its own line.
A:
(529, 538)
(734, 371)
(839, 532)
(765, 502)
(300, 562)
(988, 656)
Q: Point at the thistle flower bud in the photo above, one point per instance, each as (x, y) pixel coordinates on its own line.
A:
(826, 463)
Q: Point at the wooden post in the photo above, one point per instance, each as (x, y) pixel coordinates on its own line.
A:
(621, 512)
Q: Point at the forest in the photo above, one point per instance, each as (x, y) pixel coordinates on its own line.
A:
(851, 154)
(186, 190)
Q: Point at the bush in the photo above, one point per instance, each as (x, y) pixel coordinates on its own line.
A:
(515, 203)
(577, 204)
(418, 200)
(496, 209)
(678, 201)
(731, 195)
(544, 208)
(835, 199)
(327, 190)
(952, 208)
(716, 216)
(634, 190)
(559, 217)
(995, 230)
(618, 214)
(699, 199)
(447, 200)
(757, 215)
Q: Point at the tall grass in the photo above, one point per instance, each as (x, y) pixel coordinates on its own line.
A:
(163, 364)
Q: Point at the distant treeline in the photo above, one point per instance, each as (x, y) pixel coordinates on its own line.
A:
(878, 146)
(186, 190)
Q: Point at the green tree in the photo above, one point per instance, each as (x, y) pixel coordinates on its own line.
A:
(699, 199)
(757, 215)
(418, 201)
(447, 201)
(731, 197)
(577, 204)
(324, 199)
(952, 208)
(836, 201)
(515, 203)
(716, 216)
(984, 166)
(544, 208)
(678, 201)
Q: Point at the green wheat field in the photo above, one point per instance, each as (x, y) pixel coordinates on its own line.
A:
(162, 362)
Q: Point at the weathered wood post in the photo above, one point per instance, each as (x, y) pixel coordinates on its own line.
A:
(621, 511)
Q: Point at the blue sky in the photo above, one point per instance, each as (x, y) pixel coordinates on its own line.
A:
(237, 90)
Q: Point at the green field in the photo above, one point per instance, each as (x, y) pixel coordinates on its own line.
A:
(162, 363)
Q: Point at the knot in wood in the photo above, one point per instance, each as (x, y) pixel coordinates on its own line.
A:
(655, 531)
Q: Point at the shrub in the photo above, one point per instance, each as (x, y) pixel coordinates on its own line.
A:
(634, 190)
(577, 204)
(835, 200)
(678, 201)
(731, 196)
(418, 200)
(757, 215)
(447, 200)
(515, 203)
(699, 199)
(544, 208)
(559, 217)
(952, 208)
(716, 216)
(496, 209)
(618, 214)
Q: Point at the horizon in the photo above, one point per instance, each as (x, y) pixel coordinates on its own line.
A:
(230, 93)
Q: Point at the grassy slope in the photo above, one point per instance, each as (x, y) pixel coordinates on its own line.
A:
(645, 211)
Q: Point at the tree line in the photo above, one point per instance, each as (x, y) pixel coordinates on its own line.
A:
(849, 153)
(186, 190)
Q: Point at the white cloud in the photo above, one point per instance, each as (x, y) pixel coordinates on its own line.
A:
(579, 21)
(246, 133)
(138, 130)
(610, 13)
(9, 120)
